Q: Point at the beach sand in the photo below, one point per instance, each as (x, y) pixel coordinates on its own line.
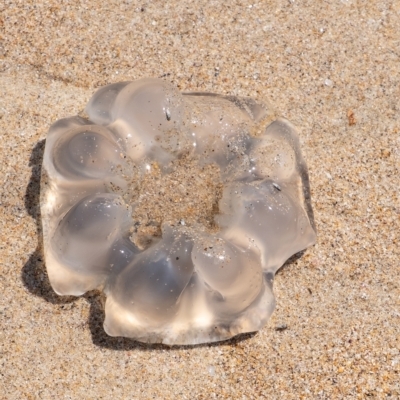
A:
(331, 68)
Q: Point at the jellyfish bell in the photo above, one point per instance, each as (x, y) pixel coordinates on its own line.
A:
(180, 207)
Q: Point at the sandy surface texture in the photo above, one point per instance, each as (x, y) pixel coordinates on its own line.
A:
(333, 69)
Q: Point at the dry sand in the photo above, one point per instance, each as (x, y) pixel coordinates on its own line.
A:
(333, 69)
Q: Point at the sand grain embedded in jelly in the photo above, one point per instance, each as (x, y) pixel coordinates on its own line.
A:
(180, 206)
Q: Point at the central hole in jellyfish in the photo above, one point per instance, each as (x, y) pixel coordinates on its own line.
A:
(188, 195)
(177, 147)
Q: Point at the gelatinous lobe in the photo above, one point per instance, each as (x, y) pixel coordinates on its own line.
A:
(84, 236)
(258, 210)
(181, 207)
(150, 287)
(234, 273)
(86, 152)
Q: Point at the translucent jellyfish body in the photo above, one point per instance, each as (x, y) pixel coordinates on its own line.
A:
(179, 206)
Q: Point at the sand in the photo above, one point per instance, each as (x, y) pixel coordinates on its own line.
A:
(333, 69)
